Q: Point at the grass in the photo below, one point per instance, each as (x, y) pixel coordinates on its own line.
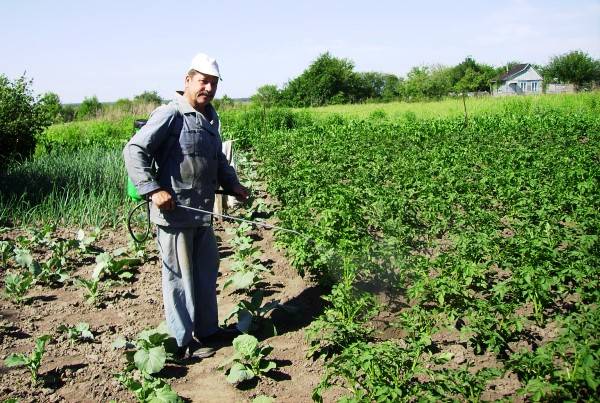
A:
(454, 106)
(77, 176)
(77, 187)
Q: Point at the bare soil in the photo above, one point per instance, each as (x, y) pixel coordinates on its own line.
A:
(85, 371)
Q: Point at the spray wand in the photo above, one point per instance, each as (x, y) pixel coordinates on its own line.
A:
(146, 231)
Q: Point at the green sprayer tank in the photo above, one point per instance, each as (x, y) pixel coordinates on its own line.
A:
(131, 190)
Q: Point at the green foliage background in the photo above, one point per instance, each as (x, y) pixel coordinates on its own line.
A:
(21, 118)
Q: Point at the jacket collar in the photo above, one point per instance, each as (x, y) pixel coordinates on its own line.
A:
(210, 122)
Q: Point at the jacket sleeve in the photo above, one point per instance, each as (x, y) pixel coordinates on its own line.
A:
(144, 146)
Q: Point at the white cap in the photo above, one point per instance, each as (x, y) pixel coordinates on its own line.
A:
(205, 65)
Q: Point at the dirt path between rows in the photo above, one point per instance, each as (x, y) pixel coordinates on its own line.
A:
(85, 371)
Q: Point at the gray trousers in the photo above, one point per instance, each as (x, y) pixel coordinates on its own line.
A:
(190, 263)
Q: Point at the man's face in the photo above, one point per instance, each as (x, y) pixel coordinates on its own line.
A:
(200, 89)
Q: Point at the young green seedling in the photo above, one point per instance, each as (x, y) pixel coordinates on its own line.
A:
(80, 331)
(108, 266)
(16, 285)
(6, 249)
(32, 361)
(152, 349)
(248, 361)
(93, 288)
(251, 314)
(148, 389)
(85, 241)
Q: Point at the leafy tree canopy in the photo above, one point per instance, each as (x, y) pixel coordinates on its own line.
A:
(21, 118)
(575, 67)
(267, 95)
(51, 108)
(149, 97)
(327, 80)
(89, 108)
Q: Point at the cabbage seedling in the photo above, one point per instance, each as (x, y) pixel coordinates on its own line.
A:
(33, 361)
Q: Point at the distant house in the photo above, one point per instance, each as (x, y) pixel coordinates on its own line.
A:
(522, 79)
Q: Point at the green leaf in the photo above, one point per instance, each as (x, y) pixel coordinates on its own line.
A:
(263, 399)
(82, 326)
(245, 344)
(23, 258)
(442, 358)
(150, 361)
(103, 259)
(14, 360)
(265, 366)
(239, 373)
(241, 281)
(165, 394)
(41, 341)
(119, 251)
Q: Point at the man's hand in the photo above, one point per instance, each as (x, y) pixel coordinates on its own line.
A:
(162, 199)
(240, 192)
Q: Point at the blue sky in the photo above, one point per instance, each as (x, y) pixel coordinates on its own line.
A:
(117, 48)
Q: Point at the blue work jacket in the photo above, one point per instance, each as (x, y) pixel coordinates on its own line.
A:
(186, 147)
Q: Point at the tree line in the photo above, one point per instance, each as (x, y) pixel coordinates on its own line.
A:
(330, 80)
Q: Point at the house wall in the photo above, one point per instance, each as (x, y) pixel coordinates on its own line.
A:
(532, 84)
(528, 75)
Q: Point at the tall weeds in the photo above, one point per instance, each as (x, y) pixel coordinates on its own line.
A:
(78, 187)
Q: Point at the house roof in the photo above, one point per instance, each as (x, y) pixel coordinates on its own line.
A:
(517, 68)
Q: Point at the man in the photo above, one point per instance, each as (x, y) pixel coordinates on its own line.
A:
(183, 137)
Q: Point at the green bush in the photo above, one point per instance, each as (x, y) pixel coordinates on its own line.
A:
(50, 108)
(89, 108)
(20, 119)
(75, 135)
(148, 97)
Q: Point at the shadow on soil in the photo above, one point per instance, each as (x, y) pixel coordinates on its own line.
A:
(53, 379)
(300, 311)
(13, 332)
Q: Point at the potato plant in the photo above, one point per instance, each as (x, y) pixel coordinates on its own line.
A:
(475, 225)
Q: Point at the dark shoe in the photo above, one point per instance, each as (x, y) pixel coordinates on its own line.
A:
(201, 352)
(193, 350)
(223, 335)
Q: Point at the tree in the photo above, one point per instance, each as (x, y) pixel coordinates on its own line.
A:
(374, 85)
(124, 104)
(267, 95)
(575, 67)
(89, 108)
(481, 74)
(391, 88)
(68, 113)
(50, 108)
(225, 102)
(415, 87)
(469, 82)
(327, 80)
(20, 119)
(148, 97)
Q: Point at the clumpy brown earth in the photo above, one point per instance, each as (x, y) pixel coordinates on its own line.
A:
(85, 371)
